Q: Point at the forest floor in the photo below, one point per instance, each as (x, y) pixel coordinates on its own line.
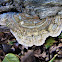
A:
(50, 51)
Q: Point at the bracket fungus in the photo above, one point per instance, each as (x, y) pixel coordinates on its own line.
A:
(33, 29)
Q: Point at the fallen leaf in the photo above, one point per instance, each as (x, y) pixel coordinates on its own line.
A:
(10, 58)
(49, 42)
(60, 36)
(28, 57)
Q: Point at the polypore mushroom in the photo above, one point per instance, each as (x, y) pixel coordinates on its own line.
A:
(33, 30)
(29, 30)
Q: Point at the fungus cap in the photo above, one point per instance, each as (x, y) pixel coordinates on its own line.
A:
(29, 30)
